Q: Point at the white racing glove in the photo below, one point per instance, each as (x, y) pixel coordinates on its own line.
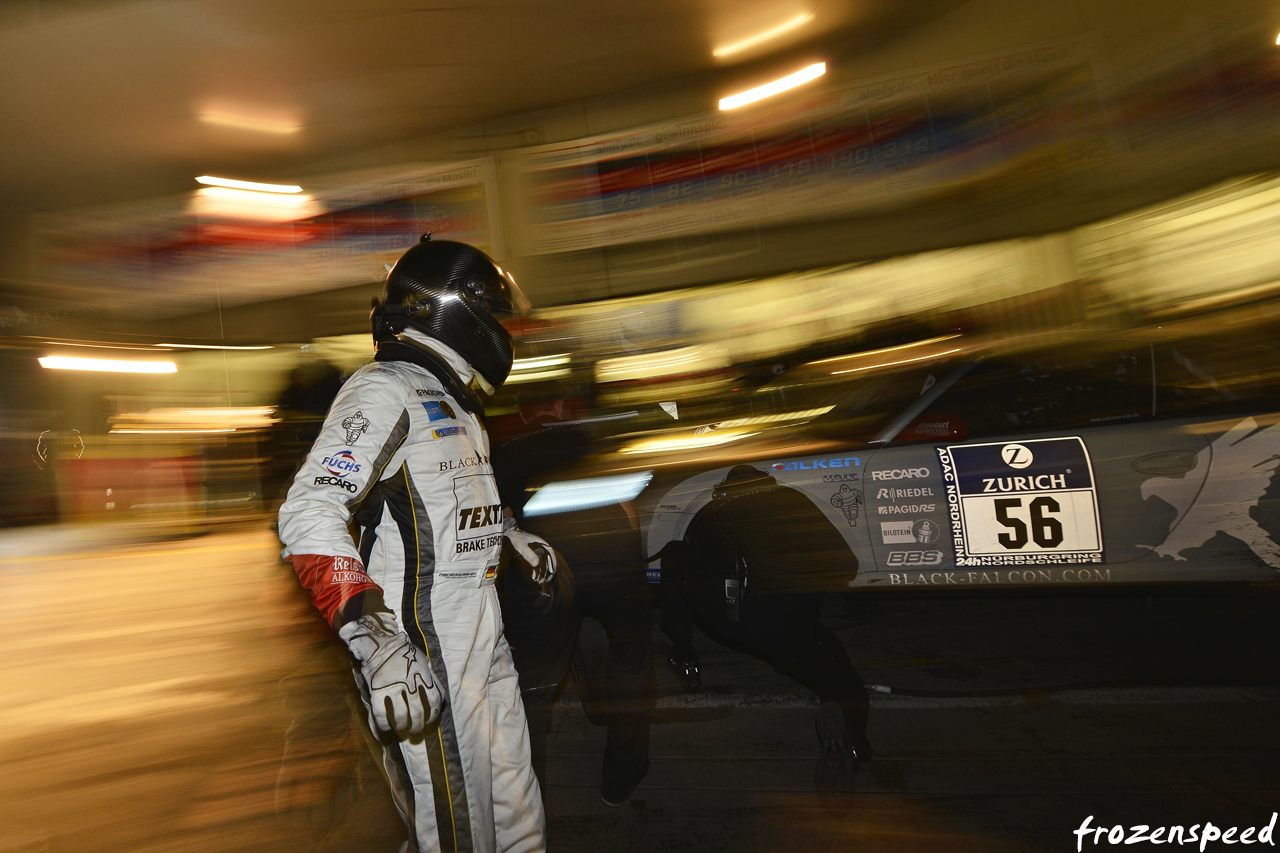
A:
(534, 550)
(403, 697)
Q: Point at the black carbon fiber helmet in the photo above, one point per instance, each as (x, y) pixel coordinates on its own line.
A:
(456, 294)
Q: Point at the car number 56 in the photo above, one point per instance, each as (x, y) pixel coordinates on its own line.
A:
(1046, 530)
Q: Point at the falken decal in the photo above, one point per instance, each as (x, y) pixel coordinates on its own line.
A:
(817, 464)
(1240, 463)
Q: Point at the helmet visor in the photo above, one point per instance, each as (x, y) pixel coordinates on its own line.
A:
(505, 299)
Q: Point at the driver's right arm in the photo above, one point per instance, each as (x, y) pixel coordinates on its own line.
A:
(362, 434)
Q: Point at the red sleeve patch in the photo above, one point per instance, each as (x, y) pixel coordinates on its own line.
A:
(332, 581)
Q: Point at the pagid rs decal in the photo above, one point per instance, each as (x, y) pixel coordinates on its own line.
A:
(1028, 503)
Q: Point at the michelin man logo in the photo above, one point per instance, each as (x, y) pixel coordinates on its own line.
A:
(355, 427)
(1241, 463)
(848, 500)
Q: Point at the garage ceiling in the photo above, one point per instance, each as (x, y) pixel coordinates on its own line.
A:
(108, 101)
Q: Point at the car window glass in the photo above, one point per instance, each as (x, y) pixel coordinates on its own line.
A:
(864, 407)
(1216, 376)
(1051, 391)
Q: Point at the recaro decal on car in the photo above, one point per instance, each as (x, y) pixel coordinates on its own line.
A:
(1022, 503)
(1241, 464)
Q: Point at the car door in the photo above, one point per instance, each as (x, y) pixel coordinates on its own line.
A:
(1039, 480)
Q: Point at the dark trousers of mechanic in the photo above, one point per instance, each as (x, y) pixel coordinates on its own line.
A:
(780, 628)
(542, 644)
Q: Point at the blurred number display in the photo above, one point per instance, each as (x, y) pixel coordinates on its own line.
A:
(869, 144)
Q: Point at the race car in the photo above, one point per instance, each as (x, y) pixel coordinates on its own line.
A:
(1142, 456)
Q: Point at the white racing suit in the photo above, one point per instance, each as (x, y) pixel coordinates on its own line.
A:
(400, 454)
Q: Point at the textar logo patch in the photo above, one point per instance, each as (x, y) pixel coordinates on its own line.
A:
(341, 464)
(445, 432)
(438, 410)
(469, 518)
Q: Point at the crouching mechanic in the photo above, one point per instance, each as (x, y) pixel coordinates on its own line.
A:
(403, 452)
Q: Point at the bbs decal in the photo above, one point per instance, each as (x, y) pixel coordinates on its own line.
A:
(915, 558)
(1019, 503)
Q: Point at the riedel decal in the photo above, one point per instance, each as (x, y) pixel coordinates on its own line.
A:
(900, 474)
(341, 464)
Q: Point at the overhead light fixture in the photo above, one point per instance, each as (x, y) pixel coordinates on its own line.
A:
(1278, 39)
(244, 122)
(107, 365)
(764, 36)
(210, 181)
(804, 75)
(251, 205)
(209, 346)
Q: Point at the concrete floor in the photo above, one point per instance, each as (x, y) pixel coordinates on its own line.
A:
(177, 696)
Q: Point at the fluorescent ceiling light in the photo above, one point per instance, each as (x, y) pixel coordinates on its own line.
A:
(804, 75)
(868, 353)
(586, 494)
(931, 355)
(56, 362)
(764, 36)
(694, 441)
(210, 181)
(805, 415)
(208, 346)
(249, 205)
(242, 122)
(171, 431)
(104, 346)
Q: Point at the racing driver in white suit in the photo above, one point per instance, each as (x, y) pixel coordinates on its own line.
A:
(404, 453)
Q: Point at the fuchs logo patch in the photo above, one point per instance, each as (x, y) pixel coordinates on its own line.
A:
(341, 464)
(439, 410)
